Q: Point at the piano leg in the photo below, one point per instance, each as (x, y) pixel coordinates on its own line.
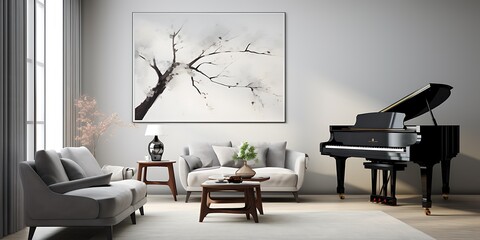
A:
(426, 176)
(385, 183)
(393, 186)
(374, 183)
(340, 162)
(446, 178)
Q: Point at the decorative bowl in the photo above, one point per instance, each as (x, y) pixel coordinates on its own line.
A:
(235, 179)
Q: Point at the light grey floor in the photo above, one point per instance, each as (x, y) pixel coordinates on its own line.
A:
(455, 218)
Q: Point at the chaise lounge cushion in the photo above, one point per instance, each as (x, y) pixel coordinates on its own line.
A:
(87, 182)
(138, 189)
(73, 170)
(49, 167)
(112, 200)
(83, 157)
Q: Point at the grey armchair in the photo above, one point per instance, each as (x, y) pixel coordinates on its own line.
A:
(53, 198)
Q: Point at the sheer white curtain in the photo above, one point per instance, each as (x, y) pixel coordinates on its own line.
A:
(13, 112)
(72, 67)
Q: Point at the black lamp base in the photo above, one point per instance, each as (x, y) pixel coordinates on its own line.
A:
(155, 149)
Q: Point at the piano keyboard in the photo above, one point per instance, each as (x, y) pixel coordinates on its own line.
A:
(383, 149)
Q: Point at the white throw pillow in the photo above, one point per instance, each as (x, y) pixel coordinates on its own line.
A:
(225, 156)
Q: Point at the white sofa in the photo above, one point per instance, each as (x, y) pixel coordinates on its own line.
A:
(286, 168)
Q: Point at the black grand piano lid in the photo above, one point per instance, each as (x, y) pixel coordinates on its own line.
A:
(415, 104)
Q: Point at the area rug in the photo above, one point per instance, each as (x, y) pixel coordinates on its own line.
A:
(174, 224)
(276, 225)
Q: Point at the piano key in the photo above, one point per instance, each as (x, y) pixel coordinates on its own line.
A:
(384, 149)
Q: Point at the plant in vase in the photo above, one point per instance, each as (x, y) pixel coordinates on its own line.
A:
(245, 153)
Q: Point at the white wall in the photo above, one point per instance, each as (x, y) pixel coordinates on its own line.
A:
(342, 58)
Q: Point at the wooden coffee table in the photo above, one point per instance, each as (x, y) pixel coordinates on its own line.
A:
(258, 192)
(247, 187)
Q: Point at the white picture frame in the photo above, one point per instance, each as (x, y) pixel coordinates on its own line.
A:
(208, 67)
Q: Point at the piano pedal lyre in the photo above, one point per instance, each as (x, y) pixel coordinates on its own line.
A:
(341, 195)
(389, 173)
(445, 196)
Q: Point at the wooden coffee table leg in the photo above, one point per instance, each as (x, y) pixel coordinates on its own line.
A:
(247, 203)
(258, 200)
(209, 199)
(251, 204)
(203, 205)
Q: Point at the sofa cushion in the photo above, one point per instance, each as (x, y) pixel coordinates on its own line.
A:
(112, 200)
(193, 162)
(276, 153)
(83, 157)
(262, 153)
(49, 167)
(225, 157)
(73, 170)
(138, 189)
(205, 152)
(197, 177)
(279, 177)
(86, 182)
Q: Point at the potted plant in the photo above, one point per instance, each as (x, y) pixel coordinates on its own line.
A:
(245, 153)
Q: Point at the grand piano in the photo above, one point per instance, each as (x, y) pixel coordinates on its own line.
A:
(382, 137)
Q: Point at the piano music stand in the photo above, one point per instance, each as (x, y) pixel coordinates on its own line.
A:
(391, 167)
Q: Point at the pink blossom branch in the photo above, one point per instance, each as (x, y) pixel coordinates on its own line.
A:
(92, 124)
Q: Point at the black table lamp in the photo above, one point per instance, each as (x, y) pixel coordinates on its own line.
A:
(155, 147)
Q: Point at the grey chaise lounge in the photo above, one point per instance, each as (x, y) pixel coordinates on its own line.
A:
(74, 192)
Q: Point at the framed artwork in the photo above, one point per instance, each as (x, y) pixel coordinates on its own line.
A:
(208, 67)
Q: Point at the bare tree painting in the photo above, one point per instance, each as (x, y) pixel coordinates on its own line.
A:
(208, 67)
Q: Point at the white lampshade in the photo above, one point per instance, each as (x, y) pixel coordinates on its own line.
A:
(153, 130)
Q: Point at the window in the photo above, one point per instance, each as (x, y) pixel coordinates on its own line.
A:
(35, 77)
(54, 74)
(44, 86)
